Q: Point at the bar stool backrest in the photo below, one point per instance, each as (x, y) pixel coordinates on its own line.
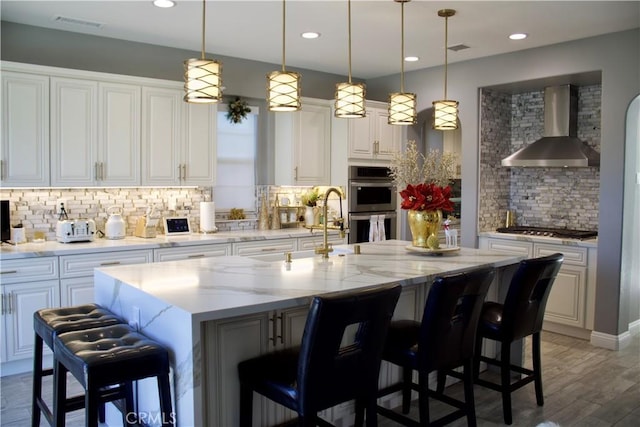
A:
(336, 365)
(526, 300)
(450, 319)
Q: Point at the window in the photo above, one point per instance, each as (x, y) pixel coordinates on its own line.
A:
(236, 176)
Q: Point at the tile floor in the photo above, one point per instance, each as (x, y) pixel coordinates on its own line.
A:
(584, 386)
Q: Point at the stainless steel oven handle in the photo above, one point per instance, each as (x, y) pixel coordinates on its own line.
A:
(371, 184)
(389, 215)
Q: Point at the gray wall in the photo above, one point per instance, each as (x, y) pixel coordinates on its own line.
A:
(617, 56)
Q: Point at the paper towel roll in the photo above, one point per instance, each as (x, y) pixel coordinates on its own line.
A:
(208, 217)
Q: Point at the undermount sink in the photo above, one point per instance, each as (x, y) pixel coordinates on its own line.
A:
(301, 255)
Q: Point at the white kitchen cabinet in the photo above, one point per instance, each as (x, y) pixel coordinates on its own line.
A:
(76, 271)
(231, 341)
(178, 139)
(24, 160)
(372, 137)
(571, 304)
(316, 240)
(191, 252)
(303, 145)
(27, 285)
(261, 247)
(95, 133)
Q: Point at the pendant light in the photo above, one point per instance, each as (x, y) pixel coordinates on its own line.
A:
(349, 97)
(283, 87)
(445, 111)
(202, 77)
(402, 105)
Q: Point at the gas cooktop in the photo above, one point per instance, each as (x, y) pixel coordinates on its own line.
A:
(550, 232)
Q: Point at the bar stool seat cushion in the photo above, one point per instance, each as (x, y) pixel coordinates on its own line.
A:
(110, 355)
(50, 321)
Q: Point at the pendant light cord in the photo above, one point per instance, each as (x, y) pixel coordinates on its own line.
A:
(203, 26)
(446, 36)
(283, 32)
(402, 48)
(349, 17)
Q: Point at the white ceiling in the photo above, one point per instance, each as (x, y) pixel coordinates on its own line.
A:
(253, 29)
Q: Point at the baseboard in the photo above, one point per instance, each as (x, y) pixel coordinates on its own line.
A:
(610, 342)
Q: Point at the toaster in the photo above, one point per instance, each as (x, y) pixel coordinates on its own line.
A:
(75, 230)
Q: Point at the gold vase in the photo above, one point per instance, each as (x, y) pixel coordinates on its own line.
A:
(424, 226)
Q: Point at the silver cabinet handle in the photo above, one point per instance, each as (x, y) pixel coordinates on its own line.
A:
(274, 328)
(96, 171)
(295, 173)
(1, 169)
(268, 249)
(2, 310)
(281, 336)
(9, 272)
(106, 264)
(10, 301)
(101, 171)
(184, 171)
(196, 256)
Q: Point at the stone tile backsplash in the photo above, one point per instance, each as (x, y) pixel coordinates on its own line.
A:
(36, 207)
(542, 197)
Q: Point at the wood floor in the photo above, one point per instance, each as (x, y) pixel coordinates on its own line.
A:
(584, 386)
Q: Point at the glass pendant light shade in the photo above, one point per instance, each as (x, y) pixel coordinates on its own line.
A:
(283, 91)
(402, 109)
(202, 81)
(349, 100)
(445, 115)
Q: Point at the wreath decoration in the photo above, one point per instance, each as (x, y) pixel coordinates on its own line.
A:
(237, 110)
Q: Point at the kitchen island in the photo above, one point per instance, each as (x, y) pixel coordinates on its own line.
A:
(213, 313)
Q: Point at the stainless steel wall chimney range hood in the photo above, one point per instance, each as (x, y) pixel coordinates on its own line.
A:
(560, 146)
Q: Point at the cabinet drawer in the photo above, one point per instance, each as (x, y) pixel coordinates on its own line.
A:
(264, 246)
(190, 252)
(510, 247)
(29, 270)
(83, 265)
(572, 255)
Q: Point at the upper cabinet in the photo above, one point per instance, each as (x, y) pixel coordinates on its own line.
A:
(95, 133)
(178, 139)
(303, 144)
(24, 147)
(372, 137)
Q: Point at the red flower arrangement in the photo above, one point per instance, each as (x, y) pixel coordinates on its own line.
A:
(426, 197)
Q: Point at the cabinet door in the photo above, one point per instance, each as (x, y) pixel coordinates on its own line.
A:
(74, 132)
(312, 145)
(20, 301)
(119, 134)
(199, 151)
(76, 291)
(161, 130)
(362, 136)
(566, 304)
(25, 130)
(387, 136)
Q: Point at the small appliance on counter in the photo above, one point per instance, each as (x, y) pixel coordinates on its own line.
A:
(115, 228)
(74, 230)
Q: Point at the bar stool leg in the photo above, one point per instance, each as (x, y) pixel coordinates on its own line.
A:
(59, 394)
(505, 378)
(246, 406)
(91, 404)
(37, 381)
(164, 389)
(537, 367)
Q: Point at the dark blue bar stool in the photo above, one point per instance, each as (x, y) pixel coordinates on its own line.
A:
(49, 322)
(106, 361)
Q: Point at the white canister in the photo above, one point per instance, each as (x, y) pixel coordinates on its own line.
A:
(18, 235)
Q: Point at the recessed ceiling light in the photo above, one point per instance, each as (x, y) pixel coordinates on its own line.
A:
(163, 3)
(518, 36)
(310, 35)
(411, 58)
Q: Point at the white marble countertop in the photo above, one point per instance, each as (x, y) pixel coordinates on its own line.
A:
(53, 248)
(589, 243)
(221, 287)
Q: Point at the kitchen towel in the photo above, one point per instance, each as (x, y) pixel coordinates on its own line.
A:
(373, 228)
(382, 234)
(208, 217)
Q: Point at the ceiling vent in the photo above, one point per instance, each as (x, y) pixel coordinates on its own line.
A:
(77, 22)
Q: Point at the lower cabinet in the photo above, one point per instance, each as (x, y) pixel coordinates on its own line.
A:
(572, 299)
(19, 302)
(231, 341)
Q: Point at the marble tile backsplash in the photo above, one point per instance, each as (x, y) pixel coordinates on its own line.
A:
(542, 197)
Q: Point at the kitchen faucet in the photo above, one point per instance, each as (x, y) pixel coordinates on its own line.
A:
(326, 247)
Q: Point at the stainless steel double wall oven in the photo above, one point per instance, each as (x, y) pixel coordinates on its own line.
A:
(371, 192)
